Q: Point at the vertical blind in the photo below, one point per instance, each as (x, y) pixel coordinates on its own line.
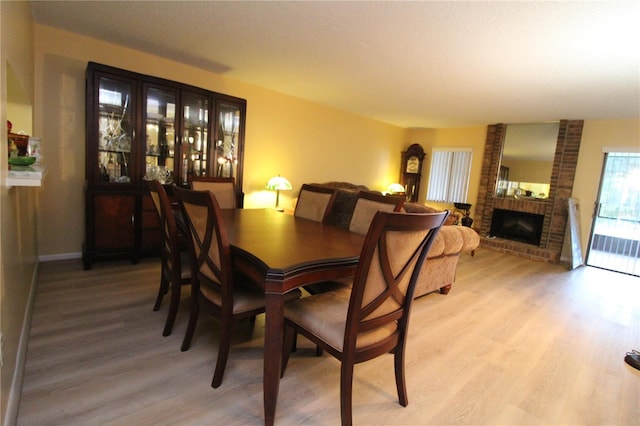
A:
(449, 175)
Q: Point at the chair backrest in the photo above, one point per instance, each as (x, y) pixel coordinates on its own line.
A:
(394, 250)
(170, 249)
(314, 202)
(223, 188)
(367, 205)
(208, 244)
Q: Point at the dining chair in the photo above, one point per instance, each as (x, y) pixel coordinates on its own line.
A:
(314, 202)
(372, 318)
(367, 205)
(216, 287)
(174, 255)
(223, 188)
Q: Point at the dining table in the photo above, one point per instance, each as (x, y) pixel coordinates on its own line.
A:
(281, 252)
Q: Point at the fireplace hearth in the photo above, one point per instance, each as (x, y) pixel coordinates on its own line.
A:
(517, 226)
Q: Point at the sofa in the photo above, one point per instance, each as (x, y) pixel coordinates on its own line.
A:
(439, 271)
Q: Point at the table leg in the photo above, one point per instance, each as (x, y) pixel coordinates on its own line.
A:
(274, 324)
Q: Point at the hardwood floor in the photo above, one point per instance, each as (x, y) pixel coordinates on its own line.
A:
(516, 342)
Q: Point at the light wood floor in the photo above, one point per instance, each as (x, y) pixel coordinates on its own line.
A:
(516, 342)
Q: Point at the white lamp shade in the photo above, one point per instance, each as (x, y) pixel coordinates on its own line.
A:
(395, 188)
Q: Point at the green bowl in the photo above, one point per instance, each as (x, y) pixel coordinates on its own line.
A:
(22, 161)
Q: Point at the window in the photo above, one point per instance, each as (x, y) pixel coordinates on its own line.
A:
(449, 175)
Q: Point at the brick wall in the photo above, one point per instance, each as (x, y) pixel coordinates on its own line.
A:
(554, 208)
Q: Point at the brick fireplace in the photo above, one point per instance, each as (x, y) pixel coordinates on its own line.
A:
(553, 209)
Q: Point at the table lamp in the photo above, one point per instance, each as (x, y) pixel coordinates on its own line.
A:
(395, 188)
(278, 183)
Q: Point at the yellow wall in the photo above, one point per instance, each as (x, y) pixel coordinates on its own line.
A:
(17, 205)
(300, 140)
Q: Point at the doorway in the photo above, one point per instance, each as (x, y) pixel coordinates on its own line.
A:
(614, 243)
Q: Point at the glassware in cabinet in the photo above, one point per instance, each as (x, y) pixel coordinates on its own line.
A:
(195, 135)
(226, 150)
(115, 130)
(160, 137)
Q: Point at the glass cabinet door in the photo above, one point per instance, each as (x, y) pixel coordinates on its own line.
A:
(115, 130)
(195, 135)
(226, 146)
(160, 137)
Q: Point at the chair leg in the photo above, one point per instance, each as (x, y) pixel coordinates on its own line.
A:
(346, 388)
(164, 284)
(223, 352)
(174, 302)
(193, 320)
(288, 346)
(401, 385)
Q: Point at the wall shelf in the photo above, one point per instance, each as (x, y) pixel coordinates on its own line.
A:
(26, 175)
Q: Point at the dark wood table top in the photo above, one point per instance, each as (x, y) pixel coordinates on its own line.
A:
(285, 249)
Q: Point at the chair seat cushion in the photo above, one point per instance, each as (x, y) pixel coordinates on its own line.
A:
(325, 315)
(245, 296)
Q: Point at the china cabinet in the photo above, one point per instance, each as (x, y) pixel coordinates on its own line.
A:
(138, 128)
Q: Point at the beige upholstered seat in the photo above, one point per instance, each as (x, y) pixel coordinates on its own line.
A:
(372, 318)
(367, 205)
(223, 188)
(174, 255)
(216, 287)
(314, 202)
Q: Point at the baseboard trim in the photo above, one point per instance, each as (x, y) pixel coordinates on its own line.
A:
(13, 403)
(61, 256)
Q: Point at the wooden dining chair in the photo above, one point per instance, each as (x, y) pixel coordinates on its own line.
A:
(223, 188)
(216, 287)
(367, 205)
(372, 318)
(174, 255)
(314, 202)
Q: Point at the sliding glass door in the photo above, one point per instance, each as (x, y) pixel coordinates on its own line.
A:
(615, 237)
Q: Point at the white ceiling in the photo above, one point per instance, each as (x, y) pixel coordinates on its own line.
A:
(413, 64)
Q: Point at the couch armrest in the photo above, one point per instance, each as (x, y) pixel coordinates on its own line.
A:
(453, 240)
(413, 207)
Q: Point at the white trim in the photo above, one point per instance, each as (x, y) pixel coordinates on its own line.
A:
(13, 402)
(606, 149)
(61, 256)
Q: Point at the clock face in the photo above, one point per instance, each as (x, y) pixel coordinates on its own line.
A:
(413, 164)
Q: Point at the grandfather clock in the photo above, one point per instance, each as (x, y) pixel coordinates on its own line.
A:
(411, 171)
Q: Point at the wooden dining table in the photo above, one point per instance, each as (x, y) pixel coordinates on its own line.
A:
(282, 252)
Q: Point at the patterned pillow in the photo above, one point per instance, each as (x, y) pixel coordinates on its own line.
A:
(340, 214)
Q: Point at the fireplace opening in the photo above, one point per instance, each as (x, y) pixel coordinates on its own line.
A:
(517, 226)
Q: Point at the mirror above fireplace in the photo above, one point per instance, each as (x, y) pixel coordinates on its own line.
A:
(527, 160)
